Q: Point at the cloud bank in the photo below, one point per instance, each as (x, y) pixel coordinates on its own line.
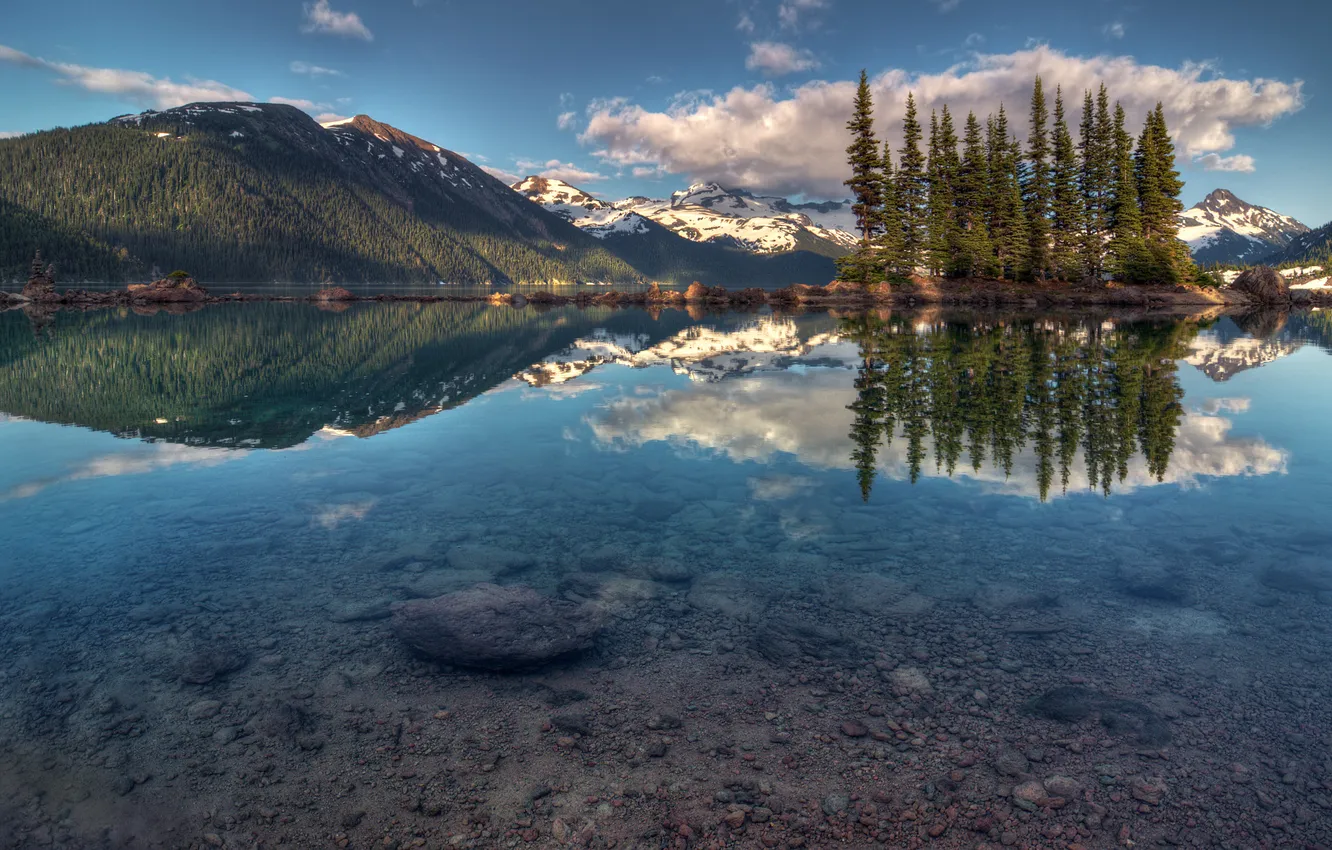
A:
(134, 86)
(793, 141)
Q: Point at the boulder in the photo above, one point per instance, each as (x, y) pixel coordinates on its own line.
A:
(496, 628)
(1263, 284)
(696, 292)
(333, 293)
(168, 290)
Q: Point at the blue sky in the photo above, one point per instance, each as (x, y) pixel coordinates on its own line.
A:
(642, 98)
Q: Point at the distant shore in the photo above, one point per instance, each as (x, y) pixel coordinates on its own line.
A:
(920, 291)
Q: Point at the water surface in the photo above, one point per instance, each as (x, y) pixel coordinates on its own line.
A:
(864, 576)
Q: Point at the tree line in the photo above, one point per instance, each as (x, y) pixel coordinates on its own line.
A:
(983, 205)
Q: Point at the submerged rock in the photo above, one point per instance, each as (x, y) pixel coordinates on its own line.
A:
(496, 628)
(784, 638)
(1071, 704)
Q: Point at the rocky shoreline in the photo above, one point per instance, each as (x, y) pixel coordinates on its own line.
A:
(187, 294)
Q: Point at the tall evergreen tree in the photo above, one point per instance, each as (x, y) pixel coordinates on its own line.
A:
(865, 183)
(889, 240)
(863, 157)
(912, 189)
(1097, 152)
(1008, 231)
(1036, 187)
(1158, 196)
(1065, 204)
(975, 253)
(942, 170)
(1126, 250)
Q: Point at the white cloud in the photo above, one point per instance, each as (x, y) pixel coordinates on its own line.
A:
(791, 12)
(132, 86)
(566, 120)
(775, 59)
(946, 6)
(299, 67)
(646, 172)
(320, 18)
(1215, 162)
(11, 134)
(556, 170)
(794, 142)
(746, 23)
(310, 106)
(330, 117)
(1114, 29)
(507, 177)
(974, 39)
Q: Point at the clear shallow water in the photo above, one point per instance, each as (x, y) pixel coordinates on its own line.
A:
(917, 525)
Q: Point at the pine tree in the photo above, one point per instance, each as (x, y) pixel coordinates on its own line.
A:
(888, 243)
(1036, 188)
(1008, 231)
(942, 171)
(1126, 251)
(1097, 152)
(1158, 196)
(863, 157)
(866, 184)
(1066, 206)
(974, 254)
(912, 189)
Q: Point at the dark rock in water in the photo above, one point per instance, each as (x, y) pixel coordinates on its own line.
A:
(1263, 284)
(1071, 704)
(657, 510)
(1152, 581)
(1298, 577)
(1068, 704)
(500, 562)
(784, 638)
(496, 628)
(573, 721)
(211, 663)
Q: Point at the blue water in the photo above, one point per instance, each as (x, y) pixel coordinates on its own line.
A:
(1147, 522)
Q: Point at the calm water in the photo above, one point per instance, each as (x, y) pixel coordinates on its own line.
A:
(1027, 580)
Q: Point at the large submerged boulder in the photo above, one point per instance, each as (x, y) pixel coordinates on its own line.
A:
(1263, 284)
(496, 628)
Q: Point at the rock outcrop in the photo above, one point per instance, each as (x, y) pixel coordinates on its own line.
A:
(167, 290)
(41, 281)
(1264, 285)
(496, 628)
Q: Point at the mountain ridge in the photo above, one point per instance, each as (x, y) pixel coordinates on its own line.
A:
(1222, 228)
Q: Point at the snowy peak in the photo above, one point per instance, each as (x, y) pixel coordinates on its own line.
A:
(1222, 228)
(705, 212)
(550, 192)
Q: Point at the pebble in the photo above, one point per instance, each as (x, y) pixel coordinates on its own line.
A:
(854, 729)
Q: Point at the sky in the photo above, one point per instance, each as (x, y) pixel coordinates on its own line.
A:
(644, 98)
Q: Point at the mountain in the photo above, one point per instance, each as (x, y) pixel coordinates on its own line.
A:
(706, 212)
(1224, 229)
(261, 192)
(631, 231)
(1311, 248)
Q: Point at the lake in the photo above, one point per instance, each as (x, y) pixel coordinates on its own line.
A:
(457, 575)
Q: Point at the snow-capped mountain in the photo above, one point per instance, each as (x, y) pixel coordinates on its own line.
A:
(706, 212)
(1224, 229)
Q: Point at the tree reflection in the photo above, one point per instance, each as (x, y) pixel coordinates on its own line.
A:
(989, 389)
